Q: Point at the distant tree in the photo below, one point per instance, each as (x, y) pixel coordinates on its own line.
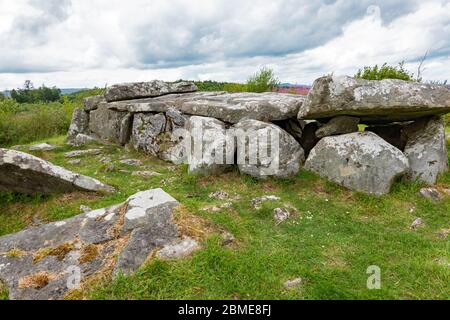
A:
(262, 81)
(385, 72)
(30, 95)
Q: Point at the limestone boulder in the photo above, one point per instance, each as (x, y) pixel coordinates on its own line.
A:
(359, 161)
(426, 149)
(137, 90)
(146, 132)
(211, 149)
(51, 260)
(264, 149)
(109, 125)
(24, 173)
(338, 125)
(78, 125)
(92, 103)
(227, 107)
(374, 101)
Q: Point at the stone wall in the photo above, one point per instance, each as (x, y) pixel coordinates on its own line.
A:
(273, 134)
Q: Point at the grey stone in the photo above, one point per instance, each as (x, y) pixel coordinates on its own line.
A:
(81, 139)
(220, 194)
(90, 243)
(92, 103)
(154, 88)
(22, 172)
(360, 161)
(210, 152)
(431, 193)
(42, 147)
(146, 174)
(110, 125)
(257, 202)
(374, 101)
(280, 215)
(264, 149)
(146, 132)
(131, 162)
(74, 162)
(228, 107)
(294, 283)
(79, 153)
(180, 249)
(416, 223)
(78, 125)
(426, 150)
(392, 133)
(338, 125)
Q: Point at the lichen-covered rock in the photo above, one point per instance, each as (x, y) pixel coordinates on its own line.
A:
(110, 125)
(42, 147)
(209, 150)
(24, 173)
(228, 107)
(392, 133)
(92, 103)
(426, 149)
(264, 149)
(374, 101)
(79, 124)
(137, 90)
(146, 131)
(49, 261)
(338, 125)
(359, 161)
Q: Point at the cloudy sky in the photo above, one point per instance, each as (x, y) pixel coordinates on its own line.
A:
(85, 43)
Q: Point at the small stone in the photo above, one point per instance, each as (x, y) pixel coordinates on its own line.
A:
(227, 238)
(258, 201)
(78, 153)
(179, 249)
(42, 147)
(146, 174)
(105, 160)
(431, 193)
(280, 215)
(85, 209)
(220, 195)
(131, 162)
(416, 223)
(291, 284)
(74, 162)
(444, 233)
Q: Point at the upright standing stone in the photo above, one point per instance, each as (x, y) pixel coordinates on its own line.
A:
(146, 132)
(110, 125)
(426, 150)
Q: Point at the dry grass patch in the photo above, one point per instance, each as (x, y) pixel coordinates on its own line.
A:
(15, 253)
(37, 281)
(88, 253)
(59, 252)
(193, 226)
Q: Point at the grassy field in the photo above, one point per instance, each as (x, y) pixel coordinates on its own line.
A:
(335, 237)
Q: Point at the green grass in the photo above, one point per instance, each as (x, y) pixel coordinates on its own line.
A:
(346, 233)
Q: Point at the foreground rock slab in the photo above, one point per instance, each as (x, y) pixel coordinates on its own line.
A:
(228, 107)
(49, 261)
(24, 173)
(359, 161)
(150, 89)
(374, 101)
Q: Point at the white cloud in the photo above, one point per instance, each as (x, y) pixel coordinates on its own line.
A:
(86, 43)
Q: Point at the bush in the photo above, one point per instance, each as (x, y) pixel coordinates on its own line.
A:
(385, 72)
(262, 81)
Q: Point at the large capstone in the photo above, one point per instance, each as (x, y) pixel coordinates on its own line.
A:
(264, 149)
(25, 173)
(228, 107)
(110, 125)
(150, 89)
(359, 161)
(51, 260)
(374, 101)
(426, 149)
(210, 148)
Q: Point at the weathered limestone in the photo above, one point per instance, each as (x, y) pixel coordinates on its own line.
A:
(338, 125)
(42, 147)
(79, 124)
(426, 149)
(359, 161)
(228, 107)
(150, 89)
(48, 261)
(147, 128)
(374, 101)
(110, 125)
(264, 149)
(210, 151)
(92, 103)
(24, 173)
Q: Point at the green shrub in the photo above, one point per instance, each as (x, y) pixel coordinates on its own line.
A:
(30, 95)
(262, 81)
(235, 87)
(385, 72)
